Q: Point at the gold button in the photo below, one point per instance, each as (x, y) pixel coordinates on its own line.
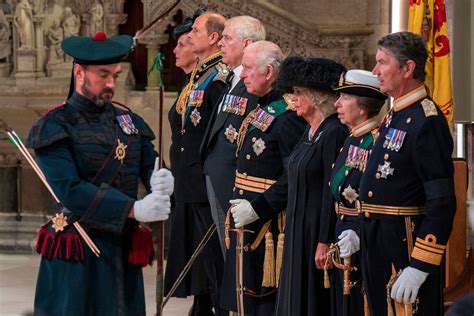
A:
(362, 140)
(332, 166)
(254, 139)
(241, 192)
(346, 173)
(377, 175)
(245, 174)
(408, 120)
(233, 189)
(247, 156)
(370, 194)
(385, 157)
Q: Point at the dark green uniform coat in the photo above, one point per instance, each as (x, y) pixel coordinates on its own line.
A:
(71, 144)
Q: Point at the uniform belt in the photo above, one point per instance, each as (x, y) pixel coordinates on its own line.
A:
(367, 209)
(342, 210)
(252, 184)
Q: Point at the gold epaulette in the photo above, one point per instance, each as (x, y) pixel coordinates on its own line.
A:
(222, 72)
(429, 108)
(427, 250)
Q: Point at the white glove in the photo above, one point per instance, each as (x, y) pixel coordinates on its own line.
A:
(161, 180)
(153, 207)
(242, 212)
(407, 285)
(349, 243)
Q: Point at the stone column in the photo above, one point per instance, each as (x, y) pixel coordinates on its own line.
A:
(38, 22)
(112, 22)
(153, 43)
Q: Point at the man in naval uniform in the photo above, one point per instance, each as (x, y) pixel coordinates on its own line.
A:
(93, 155)
(265, 140)
(195, 104)
(220, 141)
(407, 200)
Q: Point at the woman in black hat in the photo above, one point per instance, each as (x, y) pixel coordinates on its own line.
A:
(310, 213)
(357, 107)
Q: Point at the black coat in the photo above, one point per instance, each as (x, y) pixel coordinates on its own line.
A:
(410, 166)
(310, 220)
(279, 139)
(218, 152)
(185, 233)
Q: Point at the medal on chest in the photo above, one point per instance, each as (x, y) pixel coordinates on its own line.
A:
(262, 120)
(120, 151)
(259, 146)
(195, 117)
(195, 98)
(234, 104)
(231, 133)
(126, 124)
(394, 139)
(357, 158)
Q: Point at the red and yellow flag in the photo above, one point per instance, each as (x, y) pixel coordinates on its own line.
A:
(428, 19)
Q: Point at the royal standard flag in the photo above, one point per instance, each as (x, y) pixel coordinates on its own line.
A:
(428, 19)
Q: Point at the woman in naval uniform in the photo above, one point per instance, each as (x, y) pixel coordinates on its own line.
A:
(357, 107)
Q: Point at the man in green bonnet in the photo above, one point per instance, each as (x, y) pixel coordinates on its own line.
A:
(93, 155)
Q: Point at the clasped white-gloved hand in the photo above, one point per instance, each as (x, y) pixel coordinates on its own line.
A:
(155, 206)
(242, 212)
(161, 179)
(349, 243)
(405, 289)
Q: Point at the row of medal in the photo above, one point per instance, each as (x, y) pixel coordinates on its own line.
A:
(357, 158)
(394, 139)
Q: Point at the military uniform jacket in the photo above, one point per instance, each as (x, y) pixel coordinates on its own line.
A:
(351, 163)
(208, 84)
(264, 155)
(220, 142)
(411, 166)
(71, 145)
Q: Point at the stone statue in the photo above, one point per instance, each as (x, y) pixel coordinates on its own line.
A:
(97, 18)
(71, 23)
(6, 6)
(55, 37)
(24, 24)
(5, 42)
(52, 13)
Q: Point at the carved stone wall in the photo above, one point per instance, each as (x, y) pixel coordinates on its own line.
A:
(340, 30)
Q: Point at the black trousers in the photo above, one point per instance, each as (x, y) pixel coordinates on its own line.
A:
(383, 244)
(211, 255)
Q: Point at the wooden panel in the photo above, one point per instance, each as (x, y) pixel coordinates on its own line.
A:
(456, 248)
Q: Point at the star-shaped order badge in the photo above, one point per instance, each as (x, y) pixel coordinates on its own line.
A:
(120, 151)
(195, 117)
(59, 222)
(231, 133)
(259, 146)
(350, 194)
(385, 170)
